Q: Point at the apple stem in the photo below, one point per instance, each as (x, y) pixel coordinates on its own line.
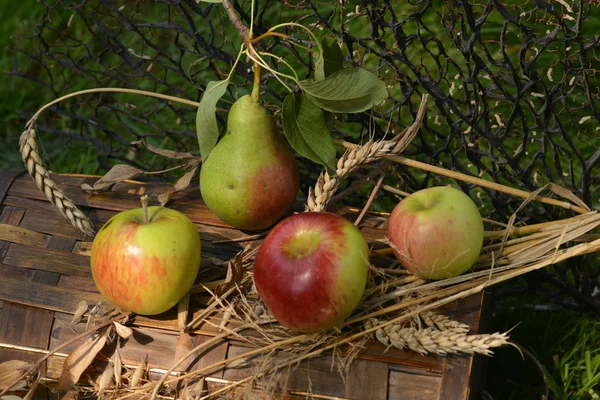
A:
(144, 200)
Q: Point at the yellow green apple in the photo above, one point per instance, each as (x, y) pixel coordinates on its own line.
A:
(146, 259)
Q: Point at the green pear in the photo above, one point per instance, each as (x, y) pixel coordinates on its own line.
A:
(250, 178)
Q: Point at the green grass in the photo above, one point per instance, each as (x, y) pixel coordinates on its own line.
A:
(565, 344)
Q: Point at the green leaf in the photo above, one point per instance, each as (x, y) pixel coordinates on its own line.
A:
(329, 61)
(209, 1)
(206, 120)
(332, 54)
(332, 61)
(349, 90)
(306, 131)
(319, 65)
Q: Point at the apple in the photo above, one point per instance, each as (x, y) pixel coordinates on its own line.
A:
(436, 233)
(146, 259)
(311, 270)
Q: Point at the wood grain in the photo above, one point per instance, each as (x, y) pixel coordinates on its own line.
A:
(20, 235)
(367, 380)
(458, 368)
(409, 386)
(7, 177)
(48, 259)
(44, 296)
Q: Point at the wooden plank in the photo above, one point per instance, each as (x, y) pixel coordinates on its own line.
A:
(376, 351)
(22, 325)
(16, 273)
(17, 234)
(315, 375)
(158, 345)
(38, 221)
(45, 259)
(30, 204)
(12, 216)
(459, 368)
(191, 205)
(200, 359)
(407, 386)
(44, 296)
(367, 380)
(83, 283)
(7, 177)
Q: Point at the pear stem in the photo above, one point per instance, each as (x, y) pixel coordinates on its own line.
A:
(256, 87)
(144, 200)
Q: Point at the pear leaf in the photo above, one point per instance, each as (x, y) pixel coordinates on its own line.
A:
(333, 56)
(306, 130)
(350, 90)
(330, 60)
(207, 129)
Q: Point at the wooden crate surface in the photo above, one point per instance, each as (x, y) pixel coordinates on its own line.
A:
(44, 274)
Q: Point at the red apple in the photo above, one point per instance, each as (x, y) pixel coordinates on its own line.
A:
(436, 233)
(311, 270)
(146, 267)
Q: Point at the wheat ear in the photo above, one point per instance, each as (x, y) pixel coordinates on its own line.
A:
(443, 322)
(327, 185)
(39, 173)
(352, 159)
(430, 340)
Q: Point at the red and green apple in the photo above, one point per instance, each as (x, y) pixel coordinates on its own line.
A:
(436, 233)
(311, 270)
(146, 261)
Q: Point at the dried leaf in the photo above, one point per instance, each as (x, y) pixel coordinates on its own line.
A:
(194, 390)
(181, 184)
(124, 331)
(164, 152)
(82, 307)
(118, 367)
(11, 370)
(566, 193)
(105, 379)
(10, 397)
(138, 374)
(78, 361)
(235, 274)
(118, 173)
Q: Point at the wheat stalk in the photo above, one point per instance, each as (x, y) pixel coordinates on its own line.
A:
(431, 340)
(352, 159)
(39, 173)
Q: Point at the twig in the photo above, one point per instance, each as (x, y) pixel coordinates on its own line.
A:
(370, 200)
(242, 29)
(395, 191)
